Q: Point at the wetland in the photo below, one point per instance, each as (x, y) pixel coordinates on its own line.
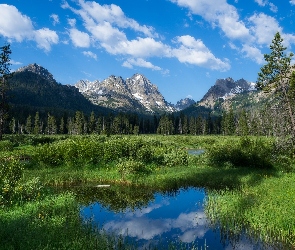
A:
(172, 192)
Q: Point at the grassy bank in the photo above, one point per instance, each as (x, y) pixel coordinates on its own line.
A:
(249, 183)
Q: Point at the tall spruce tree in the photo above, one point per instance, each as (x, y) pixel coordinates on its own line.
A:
(4, 75)
(275, 76)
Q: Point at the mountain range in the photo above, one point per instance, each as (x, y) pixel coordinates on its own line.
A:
(34, 86)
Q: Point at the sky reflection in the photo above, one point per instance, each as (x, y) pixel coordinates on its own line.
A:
(171, 217)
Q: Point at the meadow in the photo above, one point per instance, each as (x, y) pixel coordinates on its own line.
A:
(249, 181)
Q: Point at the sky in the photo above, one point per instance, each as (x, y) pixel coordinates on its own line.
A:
(182, 46)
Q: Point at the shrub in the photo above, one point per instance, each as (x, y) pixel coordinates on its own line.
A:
(10, 174)
(6, 145)
(244, 153)
(130, 166)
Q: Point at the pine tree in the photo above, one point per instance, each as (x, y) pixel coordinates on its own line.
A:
(91, 123)
(28, 127)
(4, 75)
(12, 126)
(51, 128)
(62, 126)
(276, 76)
(192, 126)
(36, 129)
(243, 128)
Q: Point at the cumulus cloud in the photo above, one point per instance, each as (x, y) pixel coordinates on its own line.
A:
(218, 13)
(18, 27)
(114, 15)
(90, 54)
(195, 52)
(273, 7)
(106, 26)
(141, 63)
(79, 38)
(45, 38)
(72, 22)
(292, 2)
(264, 28)
(55, 19)
(261, 2)
(253, 53)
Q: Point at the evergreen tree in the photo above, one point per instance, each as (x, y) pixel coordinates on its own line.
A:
(51, 128)
(4, 75)
(28, 127)
(36, 129)
(185, 126)
(79, 123)
(12, 126)
(92, 123)
(276, 75)
(192, 126)
(199, 125)
(62, 126)
(243, 128)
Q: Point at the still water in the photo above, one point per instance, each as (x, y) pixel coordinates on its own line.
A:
(168, 217)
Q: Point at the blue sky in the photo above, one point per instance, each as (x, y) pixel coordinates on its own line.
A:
(182, 46)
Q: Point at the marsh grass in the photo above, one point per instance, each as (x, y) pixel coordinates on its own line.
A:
(53, 223)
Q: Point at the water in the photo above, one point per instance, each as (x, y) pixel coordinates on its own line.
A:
(164, 218)
(195, 151)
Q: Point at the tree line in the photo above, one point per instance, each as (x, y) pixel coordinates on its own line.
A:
(244, 122)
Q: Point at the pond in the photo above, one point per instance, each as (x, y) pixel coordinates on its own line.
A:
(161, 218)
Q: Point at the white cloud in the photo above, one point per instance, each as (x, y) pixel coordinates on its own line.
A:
(273, 7)
(45, 38)
(253, 53)
(55, 19)
(13, 24)
(72, 22)
(292, 2)
(141, 63)
(15, 62)
(264, 28)
(18, 27)
(79, 39)
(106, 23)
(142, 47)
(114, 15)
(218, 13)
(90, 54)
(194, 51)
(261, 2)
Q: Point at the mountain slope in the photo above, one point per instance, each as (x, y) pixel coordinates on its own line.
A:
(34, 88)
(135, 94)
(225, 89)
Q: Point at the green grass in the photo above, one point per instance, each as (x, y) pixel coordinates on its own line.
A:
(52, 223)
(264, 208)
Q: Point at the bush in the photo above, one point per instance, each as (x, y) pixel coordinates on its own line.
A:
(130, 166)
(6, 145)
(10, 174)
(244, 153)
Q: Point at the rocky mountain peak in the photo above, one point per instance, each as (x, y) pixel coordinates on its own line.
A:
(135, 93)
(184, 103)
(225, 88)
(39, 70)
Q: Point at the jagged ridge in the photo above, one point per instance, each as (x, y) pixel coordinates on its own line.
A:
(135, 94)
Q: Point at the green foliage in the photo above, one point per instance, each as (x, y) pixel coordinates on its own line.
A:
(6, 145)
(131, 166)
(10, 174)
(245, 153)
(80, 151)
